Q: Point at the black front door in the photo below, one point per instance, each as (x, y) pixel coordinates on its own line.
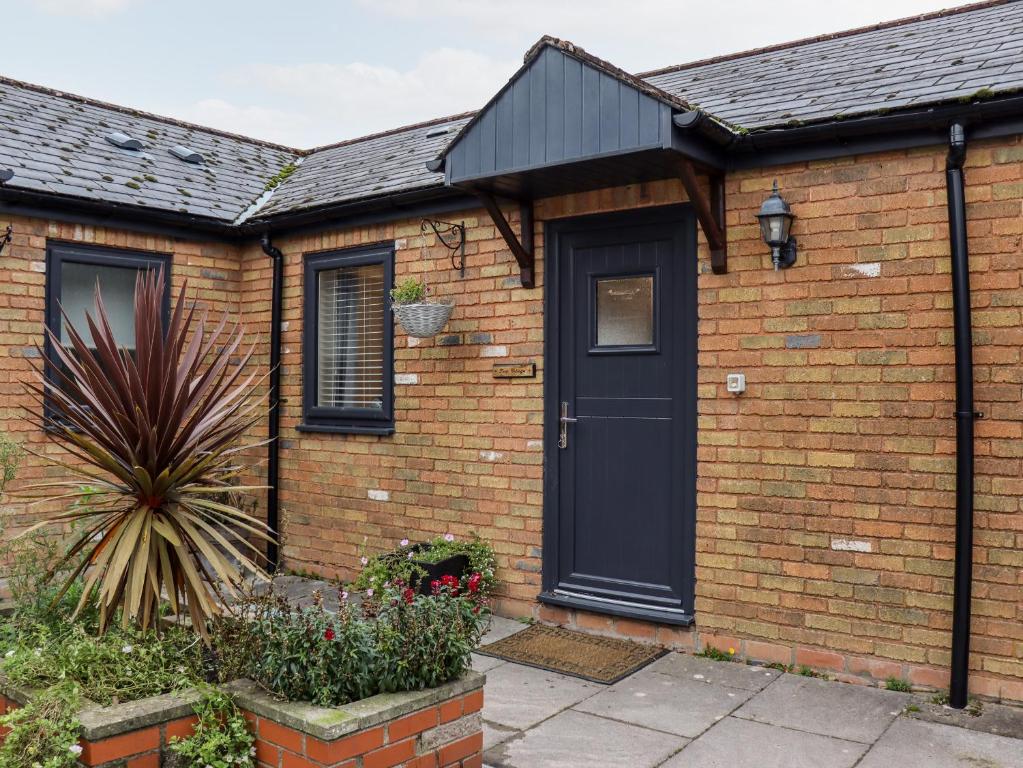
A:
(621, 413)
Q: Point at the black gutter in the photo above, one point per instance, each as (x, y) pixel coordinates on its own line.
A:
(964, 415)
(19, 202)
(273, 471)
(874, 133)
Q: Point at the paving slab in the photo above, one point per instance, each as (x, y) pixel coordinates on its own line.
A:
(678, 705)
(519, 697)
(729, 673)
(852, 712)
(917, 744)
(500, 628)
(494, 734)
(485, 663)
(578, 740)
(735, 743)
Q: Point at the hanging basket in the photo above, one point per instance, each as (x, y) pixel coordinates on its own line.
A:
(423, 320)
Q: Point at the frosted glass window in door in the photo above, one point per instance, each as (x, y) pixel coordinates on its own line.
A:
(625, 311)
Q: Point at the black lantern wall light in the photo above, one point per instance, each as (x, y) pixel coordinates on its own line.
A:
(775, 224)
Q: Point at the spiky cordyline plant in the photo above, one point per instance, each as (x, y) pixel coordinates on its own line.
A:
(157, 435)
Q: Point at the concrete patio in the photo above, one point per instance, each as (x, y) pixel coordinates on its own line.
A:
(688, 712)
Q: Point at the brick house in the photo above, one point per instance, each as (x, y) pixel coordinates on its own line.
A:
(615, 274)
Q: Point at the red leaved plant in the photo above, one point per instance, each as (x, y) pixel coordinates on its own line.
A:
(157, 435)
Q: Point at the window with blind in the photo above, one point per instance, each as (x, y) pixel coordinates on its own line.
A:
(72, 272)
(348, 341)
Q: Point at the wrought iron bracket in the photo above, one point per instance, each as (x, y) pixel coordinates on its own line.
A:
(6, 237)
(521, 246)
(451, 236)
(710, 210)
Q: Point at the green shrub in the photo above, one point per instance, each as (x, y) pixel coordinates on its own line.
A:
(409, 291)
(398, 565)
(710, 652)
(895, 684)
(43, 733)
(221, 738)
(11, 454)
(395, 640)
(123, 665)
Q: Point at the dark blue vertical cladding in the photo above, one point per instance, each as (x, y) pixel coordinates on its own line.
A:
(573, 108)
(558, 109)
(556, 106)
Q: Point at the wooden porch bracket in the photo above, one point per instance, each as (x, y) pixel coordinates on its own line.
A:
(710, 210)
(522, 246)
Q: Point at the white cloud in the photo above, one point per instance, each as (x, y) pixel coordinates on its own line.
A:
(260, 122)
(643, 34)
(329, 102)
(82, 7)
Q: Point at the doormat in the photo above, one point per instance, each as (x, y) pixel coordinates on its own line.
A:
(597, 659)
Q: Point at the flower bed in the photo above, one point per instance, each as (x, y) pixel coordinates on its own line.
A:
(439, 726)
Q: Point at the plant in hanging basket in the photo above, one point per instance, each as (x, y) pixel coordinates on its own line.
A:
(419, 317)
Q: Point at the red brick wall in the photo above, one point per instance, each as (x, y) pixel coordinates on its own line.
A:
(466, 454)
(211, 269)
(826, 500)
(843, 442)
(444, 735)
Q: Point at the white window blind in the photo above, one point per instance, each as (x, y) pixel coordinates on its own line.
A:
(350, 354)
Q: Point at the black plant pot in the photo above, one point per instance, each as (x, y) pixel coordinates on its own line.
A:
(456, 565)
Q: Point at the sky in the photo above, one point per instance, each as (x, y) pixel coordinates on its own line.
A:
(311, 72)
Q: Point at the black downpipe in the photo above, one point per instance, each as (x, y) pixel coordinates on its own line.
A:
(965, 415)
(273, 471)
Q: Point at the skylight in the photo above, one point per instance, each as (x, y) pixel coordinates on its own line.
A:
(186, 154)
(124, 141)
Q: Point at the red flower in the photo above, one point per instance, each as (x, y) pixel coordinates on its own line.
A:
(435, 587)
(474, 582)
(451, 582)
(408, 595)
(329, 634)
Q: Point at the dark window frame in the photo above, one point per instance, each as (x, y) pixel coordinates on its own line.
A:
(353, 421)
(60, 252)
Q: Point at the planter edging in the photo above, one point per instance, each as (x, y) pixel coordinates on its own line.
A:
(332, 723)
(100, 722)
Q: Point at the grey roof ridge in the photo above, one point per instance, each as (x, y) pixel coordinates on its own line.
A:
(256, 205)
(800, 42)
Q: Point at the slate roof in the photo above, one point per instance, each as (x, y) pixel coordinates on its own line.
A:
(922, 61)
(381, 164)
(55, 143)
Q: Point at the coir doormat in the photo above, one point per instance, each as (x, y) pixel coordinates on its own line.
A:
(597, 659)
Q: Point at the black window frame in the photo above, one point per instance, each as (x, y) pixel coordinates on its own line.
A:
(353, 421)
(57, 254)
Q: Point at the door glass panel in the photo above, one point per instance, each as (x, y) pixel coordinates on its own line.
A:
(625, 311)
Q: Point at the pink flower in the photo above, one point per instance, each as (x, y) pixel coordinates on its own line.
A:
(403, 542)
(344, 595)
(369, 592)
(364, 560)
(449, 537)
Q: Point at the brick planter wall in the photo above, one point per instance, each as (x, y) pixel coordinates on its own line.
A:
(436, 728)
